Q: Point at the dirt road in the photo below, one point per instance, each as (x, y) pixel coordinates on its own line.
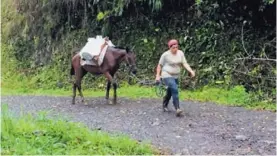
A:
(204, 129)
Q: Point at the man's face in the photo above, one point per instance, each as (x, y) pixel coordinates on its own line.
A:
(174, 49)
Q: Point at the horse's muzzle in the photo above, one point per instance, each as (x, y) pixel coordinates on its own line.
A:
(134, 70)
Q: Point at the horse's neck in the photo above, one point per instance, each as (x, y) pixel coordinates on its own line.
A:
(118, 53)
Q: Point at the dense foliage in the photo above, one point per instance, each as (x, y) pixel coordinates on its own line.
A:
(226, 42)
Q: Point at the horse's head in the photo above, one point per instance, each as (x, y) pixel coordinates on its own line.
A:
(130, 58)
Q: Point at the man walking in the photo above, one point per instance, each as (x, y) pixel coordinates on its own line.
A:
(168, 69)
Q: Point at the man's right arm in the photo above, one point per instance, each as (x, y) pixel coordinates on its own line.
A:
(159, 68)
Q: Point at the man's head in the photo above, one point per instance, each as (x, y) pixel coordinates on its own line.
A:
(173, 46)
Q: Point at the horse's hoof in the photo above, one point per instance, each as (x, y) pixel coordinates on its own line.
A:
(73, 102)
(114, 102)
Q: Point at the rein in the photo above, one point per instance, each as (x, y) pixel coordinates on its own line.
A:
(160, 88)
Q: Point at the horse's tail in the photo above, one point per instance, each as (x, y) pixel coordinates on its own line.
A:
(73, 52)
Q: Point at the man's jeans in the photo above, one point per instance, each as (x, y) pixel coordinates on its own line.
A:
(172, 90)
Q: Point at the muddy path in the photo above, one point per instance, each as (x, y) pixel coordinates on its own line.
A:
(204, 129)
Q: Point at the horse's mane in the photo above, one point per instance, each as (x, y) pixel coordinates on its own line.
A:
(120, 47)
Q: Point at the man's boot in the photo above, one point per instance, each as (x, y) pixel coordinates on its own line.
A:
(179, 112)
(177, 107)
(165, 104)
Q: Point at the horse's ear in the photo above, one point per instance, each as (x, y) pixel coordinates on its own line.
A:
(127, 49)
(133, 48)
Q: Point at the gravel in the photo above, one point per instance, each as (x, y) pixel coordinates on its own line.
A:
(205, 128)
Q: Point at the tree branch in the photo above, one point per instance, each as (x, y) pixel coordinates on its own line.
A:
(259, 59)
(247, 74)
(242, 38)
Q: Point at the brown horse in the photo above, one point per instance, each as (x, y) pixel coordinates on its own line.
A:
(113, 57)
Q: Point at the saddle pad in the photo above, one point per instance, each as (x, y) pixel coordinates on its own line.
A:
(89, 61)
(92, 47)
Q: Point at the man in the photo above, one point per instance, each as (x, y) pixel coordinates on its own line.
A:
(169, 68)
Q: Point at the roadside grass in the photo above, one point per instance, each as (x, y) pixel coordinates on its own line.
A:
(236, 96)
(37, 134)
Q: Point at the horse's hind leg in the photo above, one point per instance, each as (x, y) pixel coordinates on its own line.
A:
(83, 73)
(76, 84)
(80, 92)
(79, 75)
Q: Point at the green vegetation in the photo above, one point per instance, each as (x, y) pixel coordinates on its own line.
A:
(30, 135)
(230, 44)
(219, 38)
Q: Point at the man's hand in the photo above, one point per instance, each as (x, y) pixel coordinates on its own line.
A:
(158, 78)
(188, 68)
(192, 74)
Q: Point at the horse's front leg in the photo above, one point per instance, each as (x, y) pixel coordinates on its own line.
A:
(74, 92)
(110, 81)
(114, 94)
(108, 90)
